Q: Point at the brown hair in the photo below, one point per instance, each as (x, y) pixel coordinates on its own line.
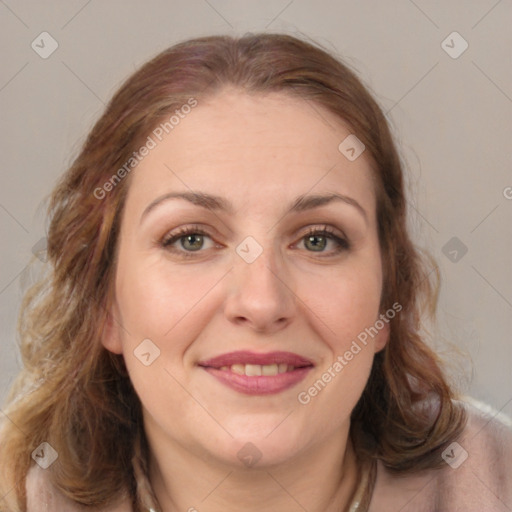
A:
(75, 395)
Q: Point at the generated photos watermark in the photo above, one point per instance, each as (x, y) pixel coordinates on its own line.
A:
(304, 397)
(151, 143)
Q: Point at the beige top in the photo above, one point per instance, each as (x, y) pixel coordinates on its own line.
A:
(477, 477)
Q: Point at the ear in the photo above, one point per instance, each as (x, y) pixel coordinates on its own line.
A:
(111, 335)
(381, 340)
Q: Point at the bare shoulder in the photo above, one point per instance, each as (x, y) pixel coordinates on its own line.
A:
(476, 475)
(43, 497)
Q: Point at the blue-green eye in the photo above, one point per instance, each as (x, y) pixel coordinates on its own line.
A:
(324, 235)
(192, 239)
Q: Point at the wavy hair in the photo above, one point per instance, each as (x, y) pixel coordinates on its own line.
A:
(77, 396)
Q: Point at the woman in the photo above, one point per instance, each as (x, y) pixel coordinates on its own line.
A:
(232, 320)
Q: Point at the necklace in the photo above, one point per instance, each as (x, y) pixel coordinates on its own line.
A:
(364, 491)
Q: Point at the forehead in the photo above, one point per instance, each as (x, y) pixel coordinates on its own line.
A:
(254, 146)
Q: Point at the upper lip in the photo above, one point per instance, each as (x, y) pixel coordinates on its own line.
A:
(247, 357)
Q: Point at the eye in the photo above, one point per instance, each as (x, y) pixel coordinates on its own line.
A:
(317, 239)
(191, 240)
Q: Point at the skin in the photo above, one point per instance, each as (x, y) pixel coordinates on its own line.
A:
(260, 153)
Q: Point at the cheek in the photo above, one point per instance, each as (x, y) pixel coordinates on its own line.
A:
(349, 310)
(347, 302)
(156, 300)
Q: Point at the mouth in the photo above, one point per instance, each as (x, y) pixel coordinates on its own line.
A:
(258, 374)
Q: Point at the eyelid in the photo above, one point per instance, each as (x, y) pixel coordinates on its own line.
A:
(183, 231)
(331, 230)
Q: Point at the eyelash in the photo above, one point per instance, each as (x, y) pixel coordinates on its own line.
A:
(326, 231)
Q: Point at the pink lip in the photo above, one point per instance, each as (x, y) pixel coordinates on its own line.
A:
(247, 357)
(260, 384)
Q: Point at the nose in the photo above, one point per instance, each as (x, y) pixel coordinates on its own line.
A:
(261, 294)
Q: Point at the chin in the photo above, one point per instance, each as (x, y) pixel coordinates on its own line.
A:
(261, 446)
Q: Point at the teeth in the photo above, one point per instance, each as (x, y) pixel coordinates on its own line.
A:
(253, 370)
(238, 368)
(270, 369)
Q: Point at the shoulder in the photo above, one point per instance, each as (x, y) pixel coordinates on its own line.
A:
(476, 475)
(43, 497)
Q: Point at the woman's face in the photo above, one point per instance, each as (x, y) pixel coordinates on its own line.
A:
(231, 334)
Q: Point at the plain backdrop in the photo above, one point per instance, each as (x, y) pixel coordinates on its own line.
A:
(450, 108)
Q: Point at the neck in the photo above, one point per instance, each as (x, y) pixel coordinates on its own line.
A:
(320, 479)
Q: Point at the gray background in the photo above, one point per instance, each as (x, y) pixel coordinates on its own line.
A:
(452, 118)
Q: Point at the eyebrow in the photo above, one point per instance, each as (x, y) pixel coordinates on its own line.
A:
(216, 203)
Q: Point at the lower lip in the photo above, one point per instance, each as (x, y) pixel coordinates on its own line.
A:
(259, 385)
